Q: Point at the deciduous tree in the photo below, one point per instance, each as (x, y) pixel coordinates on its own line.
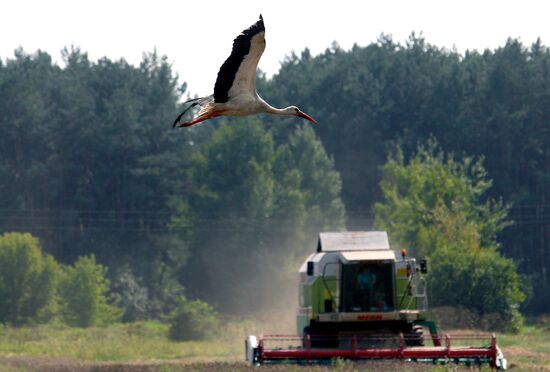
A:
(28, 280)
(83, 294)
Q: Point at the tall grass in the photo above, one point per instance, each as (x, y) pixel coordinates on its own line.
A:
(123, 342)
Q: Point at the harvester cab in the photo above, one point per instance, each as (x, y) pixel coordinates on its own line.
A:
(355, 284)
(361, 300)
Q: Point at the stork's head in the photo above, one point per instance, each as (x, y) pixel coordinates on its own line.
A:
(293, 110)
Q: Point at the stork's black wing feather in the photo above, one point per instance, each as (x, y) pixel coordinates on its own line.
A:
(241, 47)
(200, 101)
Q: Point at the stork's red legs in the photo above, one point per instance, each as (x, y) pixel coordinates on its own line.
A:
(193, 122)
(201, 118)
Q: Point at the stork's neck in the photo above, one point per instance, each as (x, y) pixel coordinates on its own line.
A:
(278, 111)
(266, 107)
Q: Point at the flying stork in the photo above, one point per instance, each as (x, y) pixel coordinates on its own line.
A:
(235, 89)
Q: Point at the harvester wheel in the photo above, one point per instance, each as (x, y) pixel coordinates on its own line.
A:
(304, 337)
(415, 337)
(319, 338)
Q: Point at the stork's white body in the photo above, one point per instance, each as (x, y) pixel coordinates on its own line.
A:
(244, 104)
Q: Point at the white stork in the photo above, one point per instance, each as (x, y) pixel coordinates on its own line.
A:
(235, 89)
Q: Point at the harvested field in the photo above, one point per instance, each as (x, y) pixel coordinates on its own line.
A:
(61, 365)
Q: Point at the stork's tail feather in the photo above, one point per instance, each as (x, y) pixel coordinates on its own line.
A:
(201, 101)
(179, 117)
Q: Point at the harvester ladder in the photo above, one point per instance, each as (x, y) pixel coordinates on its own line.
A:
(418, 292)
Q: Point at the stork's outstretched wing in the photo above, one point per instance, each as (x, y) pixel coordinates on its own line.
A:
(238, 73)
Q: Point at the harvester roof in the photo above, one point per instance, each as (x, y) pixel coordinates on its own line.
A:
(368, 256)
(348, 247)
(353, 241)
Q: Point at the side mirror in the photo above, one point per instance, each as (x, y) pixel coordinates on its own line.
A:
(423, 266)
(309, 268)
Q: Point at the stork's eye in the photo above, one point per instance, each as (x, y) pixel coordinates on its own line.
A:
(296, 110)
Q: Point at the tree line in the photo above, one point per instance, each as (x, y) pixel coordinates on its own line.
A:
(90, 164)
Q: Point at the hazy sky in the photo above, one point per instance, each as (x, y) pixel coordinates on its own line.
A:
(197, 35)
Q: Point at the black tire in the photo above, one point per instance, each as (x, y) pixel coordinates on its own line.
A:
(320, 338)
(304, 337)
(415, 337)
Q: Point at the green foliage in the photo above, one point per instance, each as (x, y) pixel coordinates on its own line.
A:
(87, 155)
(156, 272)
(255, 208)
(83, 294)
(430, 188)
(27, 280)
(433, 204)
(131, 295)
(193, 320)
(482, 281)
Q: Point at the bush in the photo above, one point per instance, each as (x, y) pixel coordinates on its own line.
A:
(193, 320)
(83, 294)
(484, 282)
(27, 280)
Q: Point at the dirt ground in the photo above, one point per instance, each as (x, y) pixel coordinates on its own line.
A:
(62, 365)
(49, 364)
(196, 364)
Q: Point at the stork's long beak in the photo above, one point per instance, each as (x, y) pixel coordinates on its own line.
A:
(307, 117)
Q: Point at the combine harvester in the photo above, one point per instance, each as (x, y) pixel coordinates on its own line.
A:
(360, 300)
